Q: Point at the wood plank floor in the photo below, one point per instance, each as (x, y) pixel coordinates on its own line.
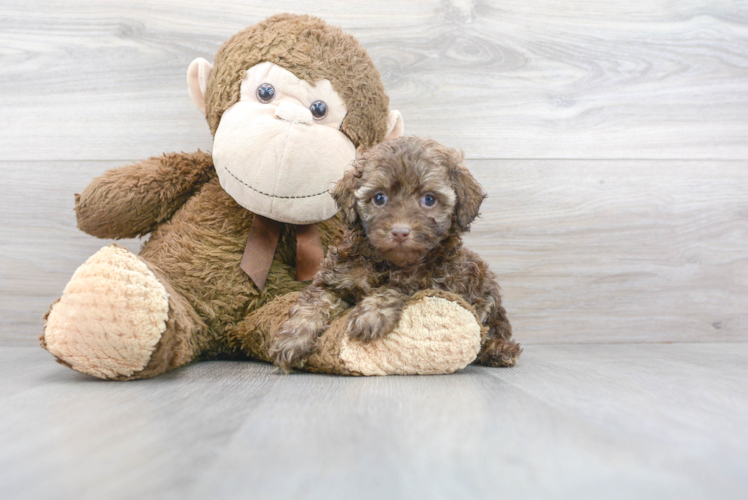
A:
(573, 421)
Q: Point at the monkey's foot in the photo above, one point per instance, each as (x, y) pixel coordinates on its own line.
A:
(438, 332)
(110, 317)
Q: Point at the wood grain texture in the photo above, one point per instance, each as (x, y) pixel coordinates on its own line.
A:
(586, 251)
(587, 422)
(618, 251)
(41, 246)
(517, 79)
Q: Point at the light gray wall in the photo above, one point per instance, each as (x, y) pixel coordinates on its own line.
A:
(612, 138)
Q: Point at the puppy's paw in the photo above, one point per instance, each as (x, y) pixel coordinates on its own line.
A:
(370, 323)
(292, 344)
(498, 352)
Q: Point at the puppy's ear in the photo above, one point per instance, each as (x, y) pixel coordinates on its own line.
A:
(343, 192)
(469, 193)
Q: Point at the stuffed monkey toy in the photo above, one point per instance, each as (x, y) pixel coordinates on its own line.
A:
(236, 235)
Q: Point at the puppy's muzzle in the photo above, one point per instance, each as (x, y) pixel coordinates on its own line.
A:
(400, 233)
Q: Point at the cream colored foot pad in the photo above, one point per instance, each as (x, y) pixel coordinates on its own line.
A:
(442, 337)
(110, 316)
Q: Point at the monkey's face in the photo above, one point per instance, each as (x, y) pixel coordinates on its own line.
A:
(288, 102)
(279, 150)
(406, 207)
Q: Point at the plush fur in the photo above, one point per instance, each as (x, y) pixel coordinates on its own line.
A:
(312, 50)
(408, 185)
(198, 233)
(132, 201)
(197, 251)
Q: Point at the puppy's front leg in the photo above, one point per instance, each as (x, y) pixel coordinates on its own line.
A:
(376, 315)
(308, 319)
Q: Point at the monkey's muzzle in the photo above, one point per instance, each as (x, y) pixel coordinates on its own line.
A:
(282, 168)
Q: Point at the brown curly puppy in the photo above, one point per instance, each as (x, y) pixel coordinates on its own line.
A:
(406, 203)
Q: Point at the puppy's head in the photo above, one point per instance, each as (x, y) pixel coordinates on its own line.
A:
(408, 195)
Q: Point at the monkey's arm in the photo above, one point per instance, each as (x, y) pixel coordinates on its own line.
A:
(131, 201)
(376, 315)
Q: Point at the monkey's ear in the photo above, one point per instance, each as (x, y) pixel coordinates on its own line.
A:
(344, 193)
(395, 125)
(197, 81)
(469, 193)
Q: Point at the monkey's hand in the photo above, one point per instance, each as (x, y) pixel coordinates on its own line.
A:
(376, 315)
(131, 201)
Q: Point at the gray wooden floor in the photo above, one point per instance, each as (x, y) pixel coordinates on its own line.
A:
(571, 421)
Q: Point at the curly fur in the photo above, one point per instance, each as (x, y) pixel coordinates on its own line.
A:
(374, 270)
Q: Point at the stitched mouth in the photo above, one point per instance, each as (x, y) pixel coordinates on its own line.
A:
(275, 195)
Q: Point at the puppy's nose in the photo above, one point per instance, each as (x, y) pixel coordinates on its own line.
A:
(400, 233)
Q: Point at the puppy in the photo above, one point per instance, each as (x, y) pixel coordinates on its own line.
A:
(406, 203)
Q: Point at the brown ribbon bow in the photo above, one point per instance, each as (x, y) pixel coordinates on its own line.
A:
(261, 245)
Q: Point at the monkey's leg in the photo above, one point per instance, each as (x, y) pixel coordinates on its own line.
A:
(255, 335)
(119, 319)
(438, 332)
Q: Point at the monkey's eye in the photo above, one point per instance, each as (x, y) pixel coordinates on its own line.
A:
(428, 201)
(318, 109)
(379, 199)
(265, 93)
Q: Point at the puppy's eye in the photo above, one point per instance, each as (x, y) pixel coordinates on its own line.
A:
(379, 199)
(428, 201)
(318, 109)
(265, 93)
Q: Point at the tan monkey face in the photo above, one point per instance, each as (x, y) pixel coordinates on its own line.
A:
(279, 150)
